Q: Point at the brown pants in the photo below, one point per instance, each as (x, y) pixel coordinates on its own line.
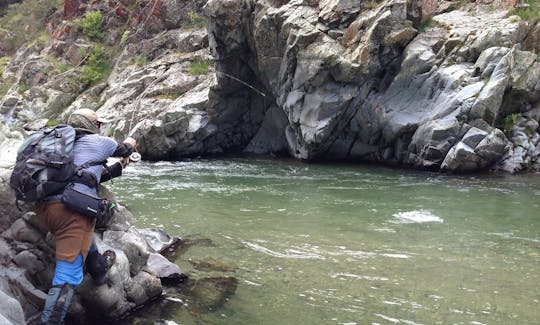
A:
(73, 231)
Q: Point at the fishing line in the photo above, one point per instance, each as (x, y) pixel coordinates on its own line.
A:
(242, 82)
(138, 102)
(136, 156)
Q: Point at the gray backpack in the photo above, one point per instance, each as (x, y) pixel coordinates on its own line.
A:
(44, 163)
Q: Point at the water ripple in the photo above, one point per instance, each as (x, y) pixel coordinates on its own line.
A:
(289, 253)
(416, 216)
(511, 236)
(358, 276)
(396, 320)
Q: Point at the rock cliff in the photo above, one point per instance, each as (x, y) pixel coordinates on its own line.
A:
(431, 85)
(378, 84)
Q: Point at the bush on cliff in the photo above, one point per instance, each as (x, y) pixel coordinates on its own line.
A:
(27, 19)
(199, 66)
(93, 25)
(96, 68)
(530, 10)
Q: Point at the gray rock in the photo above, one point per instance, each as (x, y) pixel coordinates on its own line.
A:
(132, 244)
(26, 293)
(432, 141)
(11, 311)
(159, 241)
(29, 261)
(341, 81)
(168, 272)
(477, 150)
(209, 294)
(143, 287)
(271, 136)
(22, 231)
(493, 147)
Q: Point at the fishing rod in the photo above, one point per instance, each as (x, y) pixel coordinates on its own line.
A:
(136, 156)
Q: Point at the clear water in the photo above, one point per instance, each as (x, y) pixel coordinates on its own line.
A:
(349, 244)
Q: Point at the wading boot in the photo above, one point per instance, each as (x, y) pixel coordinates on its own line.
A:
(98, 265)
(56, 305)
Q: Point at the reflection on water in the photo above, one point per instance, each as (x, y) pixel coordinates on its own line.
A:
(349, 244)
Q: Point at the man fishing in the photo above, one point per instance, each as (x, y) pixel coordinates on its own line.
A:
(74, 231)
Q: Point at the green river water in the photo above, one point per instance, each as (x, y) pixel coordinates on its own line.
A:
(348, 244)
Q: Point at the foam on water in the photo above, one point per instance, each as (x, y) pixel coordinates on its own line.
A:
(289, 253)
(358, 276)
(416, 216)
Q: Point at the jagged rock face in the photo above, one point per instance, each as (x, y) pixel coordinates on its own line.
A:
(333, 79)
(358, 83)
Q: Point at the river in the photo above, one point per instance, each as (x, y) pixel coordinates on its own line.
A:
(348, 244)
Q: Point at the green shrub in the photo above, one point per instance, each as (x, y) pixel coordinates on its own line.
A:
(23, 87)
(92, 25)
(195, 20)
(26, 21)
(4, 88)
(63, 67)
(125, 37)
(508, 122)
(530, 13)
(3, 63)
(199, 66)
(96, 68)
(141, 60)
(43, 38)
(425, 25)
(60, 66)
(171, 95)
(52, 122)
(371, 4)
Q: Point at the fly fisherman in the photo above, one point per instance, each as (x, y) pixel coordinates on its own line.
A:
(74, 231)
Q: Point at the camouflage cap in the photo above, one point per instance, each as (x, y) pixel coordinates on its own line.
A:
(85, 118)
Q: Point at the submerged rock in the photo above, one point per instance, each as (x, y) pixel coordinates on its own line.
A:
(167, 272)
(209, 294)
(211, 264)
(160, 241)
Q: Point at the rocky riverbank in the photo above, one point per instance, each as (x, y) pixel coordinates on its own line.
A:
(428, 84)
(141, 275)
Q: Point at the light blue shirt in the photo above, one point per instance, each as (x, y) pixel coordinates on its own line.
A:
(91, 148)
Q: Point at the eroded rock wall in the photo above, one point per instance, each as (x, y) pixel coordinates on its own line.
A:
(427, 84)
(380, 83)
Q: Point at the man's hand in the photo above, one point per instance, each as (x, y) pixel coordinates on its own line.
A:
(131, 141)
(124, 161)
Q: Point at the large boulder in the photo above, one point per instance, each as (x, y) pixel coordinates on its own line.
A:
(372, 83)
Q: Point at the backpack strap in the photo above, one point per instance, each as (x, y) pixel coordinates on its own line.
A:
(80, 175)
(87, 178)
